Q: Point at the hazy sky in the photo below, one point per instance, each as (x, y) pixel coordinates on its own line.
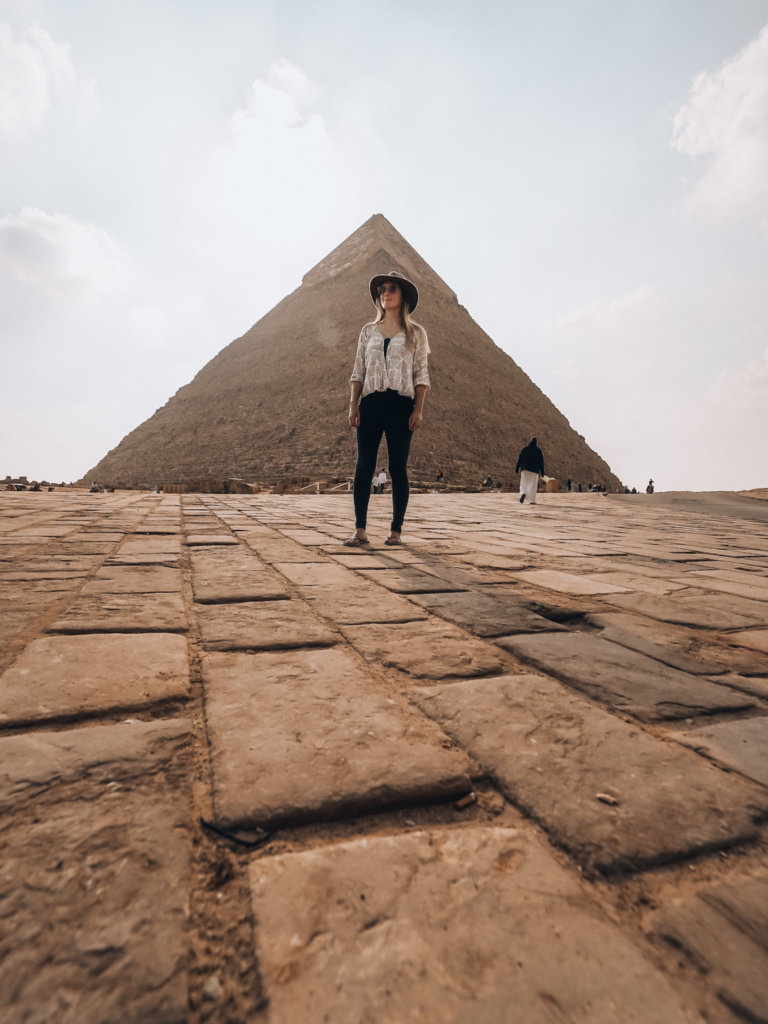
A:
(590, 177)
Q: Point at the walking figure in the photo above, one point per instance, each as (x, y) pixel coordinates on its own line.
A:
(530, 466)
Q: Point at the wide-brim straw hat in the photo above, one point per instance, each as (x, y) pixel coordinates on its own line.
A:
(408, 288)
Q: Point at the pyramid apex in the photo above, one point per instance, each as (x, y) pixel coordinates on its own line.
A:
(375, 236)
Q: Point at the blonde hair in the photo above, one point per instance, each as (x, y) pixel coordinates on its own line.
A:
(410, 326)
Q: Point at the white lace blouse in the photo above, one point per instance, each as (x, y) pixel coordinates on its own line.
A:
(399, 369)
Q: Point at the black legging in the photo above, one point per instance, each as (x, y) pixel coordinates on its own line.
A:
(383, 412)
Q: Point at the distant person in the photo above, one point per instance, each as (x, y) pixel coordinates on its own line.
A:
(381, 480)
(530, 466)
(389, 382)
(568, 484)
(438, 476)
(649, 488)
(488, 482)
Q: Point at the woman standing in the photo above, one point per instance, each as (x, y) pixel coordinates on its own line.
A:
(389, 384)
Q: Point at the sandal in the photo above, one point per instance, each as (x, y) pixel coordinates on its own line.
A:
(393, 541)
(355, 542)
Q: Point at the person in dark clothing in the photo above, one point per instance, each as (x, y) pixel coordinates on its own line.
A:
(530, 466)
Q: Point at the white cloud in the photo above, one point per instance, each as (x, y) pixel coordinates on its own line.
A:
(605, 318)
(614, 342)
(725, 121)
(278, 138)
(59, 256)
(33, 68)
(743, 392)
(283, 98)
(615, 369)
(722, 428)
(277, 180)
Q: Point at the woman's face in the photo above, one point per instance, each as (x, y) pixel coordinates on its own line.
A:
(390, 296)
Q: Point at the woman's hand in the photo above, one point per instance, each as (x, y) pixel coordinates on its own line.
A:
(354, 415)
(414, 421)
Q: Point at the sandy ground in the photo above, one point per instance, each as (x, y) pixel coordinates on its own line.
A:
(751, 505)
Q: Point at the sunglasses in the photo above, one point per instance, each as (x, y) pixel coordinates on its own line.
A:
(388, 289)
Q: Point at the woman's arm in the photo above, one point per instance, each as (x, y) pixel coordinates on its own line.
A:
(354, 402)
(357, 379)
(415, 419)
(420, 379)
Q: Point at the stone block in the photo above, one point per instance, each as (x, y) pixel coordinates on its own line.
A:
(276, 548)
(150, 558)
(463, 925)
(32, 763)
(567, 583)
(637, 640)
(487, 613)
(134, 580)
(307, 537)
(615, 797)
(312, 574)
(725, 933)
(748, 586)
(360, 602)
(410, 581)
(94, 883)
(261, 625)
(697, 609)
(251, 582)
(623, 678)
(68, 676)
(741, 745)
(206, 539)
(123, 613)
(136, 545)
(629, 581)
(756, 639)
(424, 650)
(307, 735)
(687, 649)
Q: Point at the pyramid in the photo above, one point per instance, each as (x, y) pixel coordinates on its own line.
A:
(271, 407)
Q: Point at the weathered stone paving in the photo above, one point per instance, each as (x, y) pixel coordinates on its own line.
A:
(517, 762)
(622, 678)
(725, 930)
(614, 796)
(310, 734)
(62, 677)
(452, 925)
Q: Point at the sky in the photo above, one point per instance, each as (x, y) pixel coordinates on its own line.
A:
(589, 176)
